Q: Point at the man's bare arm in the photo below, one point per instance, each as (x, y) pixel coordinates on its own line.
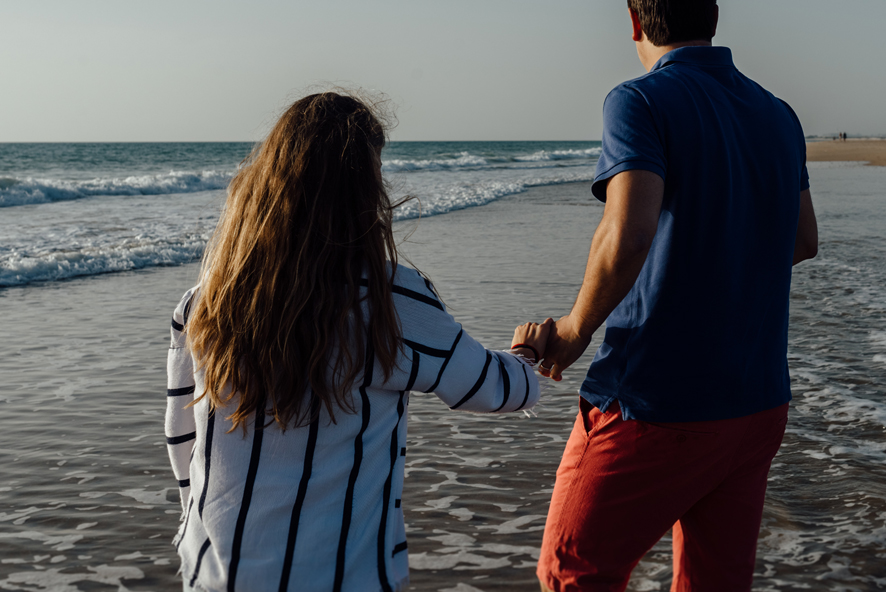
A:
(618, 252)
(806, 245)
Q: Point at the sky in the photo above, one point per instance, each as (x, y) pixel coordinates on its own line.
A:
(120, 70)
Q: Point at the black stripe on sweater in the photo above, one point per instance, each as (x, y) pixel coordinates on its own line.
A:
(431, 288)
(477, 384)
(210, 425)
(300, 496)
(386, 500)
(411, 293)
(398, 548)
(416, 296)
(184, 482)
(413, 373)
(181, 439)
(179, 392)
(355, 471)
(251, 473)
(526, 396)
(446, 361)
(431, 351)
(507, 382)
(187, 311)
(177, 326)
(200, 555)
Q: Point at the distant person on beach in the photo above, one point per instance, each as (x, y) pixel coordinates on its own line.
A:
(292, 362)
(685, 403)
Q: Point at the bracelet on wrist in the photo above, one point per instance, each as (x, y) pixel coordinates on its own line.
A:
(529, 347)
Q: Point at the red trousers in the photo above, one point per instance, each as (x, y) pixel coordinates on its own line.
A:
(623, 484)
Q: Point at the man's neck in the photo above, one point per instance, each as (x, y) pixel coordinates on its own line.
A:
(649, 54)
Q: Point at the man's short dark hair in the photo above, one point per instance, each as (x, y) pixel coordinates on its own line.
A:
(673, 21)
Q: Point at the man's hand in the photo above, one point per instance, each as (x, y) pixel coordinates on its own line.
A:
(565, 345)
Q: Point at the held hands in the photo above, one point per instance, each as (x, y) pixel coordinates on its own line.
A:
(565, 345)
(532, 338)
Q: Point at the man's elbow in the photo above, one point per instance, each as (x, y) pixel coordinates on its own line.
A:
(806, 243)
(805, 248)
(812, 248)
(636, 243)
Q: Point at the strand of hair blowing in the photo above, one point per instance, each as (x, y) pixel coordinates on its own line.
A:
(279, 314)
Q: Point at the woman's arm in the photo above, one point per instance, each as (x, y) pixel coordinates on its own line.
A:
(181, 428)
(444, 359)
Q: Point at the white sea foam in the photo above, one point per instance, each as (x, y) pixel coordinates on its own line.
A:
(17, 192)
(545, 155)
(58, 580)
(158, 220)
(841, 408)
(90, 246)
(57, 542)
(18, 269)
(458, 197)
(514, 526)
(151, 498)
(461, 587)
(466, 160)
(463, 160)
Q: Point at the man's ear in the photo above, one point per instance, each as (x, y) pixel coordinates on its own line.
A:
(637, 28)
(715, 18)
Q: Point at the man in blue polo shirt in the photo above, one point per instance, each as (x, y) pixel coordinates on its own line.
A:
(685, 404)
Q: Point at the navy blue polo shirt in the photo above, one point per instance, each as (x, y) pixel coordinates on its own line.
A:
(702, 335)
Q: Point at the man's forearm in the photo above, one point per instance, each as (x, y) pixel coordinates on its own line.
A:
(613, 266)
(618, 252)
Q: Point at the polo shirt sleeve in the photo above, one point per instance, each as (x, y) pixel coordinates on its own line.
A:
(631, 139)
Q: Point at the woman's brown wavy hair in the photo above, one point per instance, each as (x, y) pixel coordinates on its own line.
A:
(279, 319)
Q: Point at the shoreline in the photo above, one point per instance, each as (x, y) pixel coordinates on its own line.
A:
(870, 151)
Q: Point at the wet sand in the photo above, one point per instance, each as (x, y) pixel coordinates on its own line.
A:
(88, 501)
(870, 151)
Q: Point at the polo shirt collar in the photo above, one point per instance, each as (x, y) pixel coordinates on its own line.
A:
(703, 55)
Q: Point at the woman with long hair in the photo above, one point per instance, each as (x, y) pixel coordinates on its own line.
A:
(292, 362)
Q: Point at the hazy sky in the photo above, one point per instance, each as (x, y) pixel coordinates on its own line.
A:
(120, 70)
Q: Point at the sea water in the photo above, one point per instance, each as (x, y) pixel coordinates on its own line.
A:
(87, 499)
(82, 209)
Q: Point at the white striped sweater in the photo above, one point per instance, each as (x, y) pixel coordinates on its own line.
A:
(318, 508)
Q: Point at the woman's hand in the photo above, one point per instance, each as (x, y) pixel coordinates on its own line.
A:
(534, 335)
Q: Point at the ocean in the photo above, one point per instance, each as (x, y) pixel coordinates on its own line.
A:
(99, 241)
(82, 209)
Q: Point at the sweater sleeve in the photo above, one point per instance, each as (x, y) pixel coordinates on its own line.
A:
(447, 361)
(181, 429)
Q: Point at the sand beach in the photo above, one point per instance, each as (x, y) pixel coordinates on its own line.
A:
(869, 151)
